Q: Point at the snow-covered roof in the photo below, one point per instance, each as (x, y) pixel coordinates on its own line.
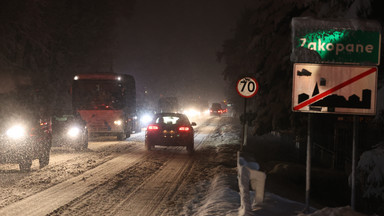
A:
(308, 23)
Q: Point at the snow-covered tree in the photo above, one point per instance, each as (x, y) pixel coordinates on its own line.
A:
(370, 177)
(261, 47)
(45, 42)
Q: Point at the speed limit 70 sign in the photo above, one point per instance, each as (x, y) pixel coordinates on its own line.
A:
(247, 87)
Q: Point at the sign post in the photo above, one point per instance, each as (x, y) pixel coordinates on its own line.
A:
(246, 87)
(353, 174)
(308, 164)
(335, 89)
(338, 89)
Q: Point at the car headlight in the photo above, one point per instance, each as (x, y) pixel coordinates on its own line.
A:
(145, 119)
(16, 132)
(74, 132)
(192, 113)
(117, 122)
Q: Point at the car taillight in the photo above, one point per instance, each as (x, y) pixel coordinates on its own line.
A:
(152, 127)
(185, 129)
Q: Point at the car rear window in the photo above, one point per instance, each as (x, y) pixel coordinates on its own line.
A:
(171, 120)
(216, 106)
(167, 119)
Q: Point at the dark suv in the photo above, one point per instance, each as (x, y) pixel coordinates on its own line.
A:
(23, 138)
(216, 109)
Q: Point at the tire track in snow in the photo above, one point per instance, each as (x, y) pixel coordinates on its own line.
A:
(150, 196)
(49, 200)
(145, 195)
(61, 196)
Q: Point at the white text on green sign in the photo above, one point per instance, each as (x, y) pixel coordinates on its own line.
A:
(342, 46)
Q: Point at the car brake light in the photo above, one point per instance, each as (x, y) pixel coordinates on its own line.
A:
(186, 129)
(152, 127)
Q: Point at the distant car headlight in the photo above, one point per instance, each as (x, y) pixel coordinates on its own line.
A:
(145, 119)
(74, 132)
(16, 132)
(117, 122)
(192, 113)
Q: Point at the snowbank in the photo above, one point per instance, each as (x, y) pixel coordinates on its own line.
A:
(341, 211)
(220, 200)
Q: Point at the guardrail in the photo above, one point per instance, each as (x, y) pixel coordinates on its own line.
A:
(248, 174)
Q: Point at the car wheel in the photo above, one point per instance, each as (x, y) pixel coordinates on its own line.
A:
(85, 142)
(128, 132)
(190, 147)
(121, 137)
(149, 146)
(44, 157)
(25, 165)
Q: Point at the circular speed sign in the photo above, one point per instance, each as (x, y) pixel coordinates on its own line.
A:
(247, 87)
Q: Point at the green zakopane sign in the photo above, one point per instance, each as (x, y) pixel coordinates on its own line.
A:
(344, 41)
(342, 45)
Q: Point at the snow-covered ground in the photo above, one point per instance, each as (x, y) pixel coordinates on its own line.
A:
(222, 200)
(211, 187)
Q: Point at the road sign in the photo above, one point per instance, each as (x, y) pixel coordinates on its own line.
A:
(334, 41)
(334, 89)
(247, 87)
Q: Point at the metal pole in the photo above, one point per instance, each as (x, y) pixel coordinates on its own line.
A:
(353, 175)
(308, 166)
(244, 143)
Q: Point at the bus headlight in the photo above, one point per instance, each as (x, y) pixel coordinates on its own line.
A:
(117, 122)
(16, 132)
(73, 132)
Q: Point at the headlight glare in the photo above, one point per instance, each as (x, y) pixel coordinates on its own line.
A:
(117, 122)
(73, 132)
(146, 119)
(192, 113)
(16, 132)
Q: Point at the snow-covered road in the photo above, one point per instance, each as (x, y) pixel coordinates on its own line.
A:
(119, 178)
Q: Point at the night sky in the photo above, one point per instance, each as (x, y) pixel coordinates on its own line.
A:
(170, 46)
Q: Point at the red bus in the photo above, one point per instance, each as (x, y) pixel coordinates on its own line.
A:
(107, 102)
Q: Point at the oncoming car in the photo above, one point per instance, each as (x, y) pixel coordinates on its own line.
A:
(69, 131)
(170, 129)
(24, 139)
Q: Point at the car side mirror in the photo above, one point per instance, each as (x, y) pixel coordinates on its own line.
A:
(193, 123)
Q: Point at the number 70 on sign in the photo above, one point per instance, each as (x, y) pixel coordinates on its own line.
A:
(247, 87)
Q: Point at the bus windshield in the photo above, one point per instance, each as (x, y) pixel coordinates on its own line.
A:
(98, 94)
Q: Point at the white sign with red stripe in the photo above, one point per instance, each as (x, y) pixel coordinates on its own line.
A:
(334, 89)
